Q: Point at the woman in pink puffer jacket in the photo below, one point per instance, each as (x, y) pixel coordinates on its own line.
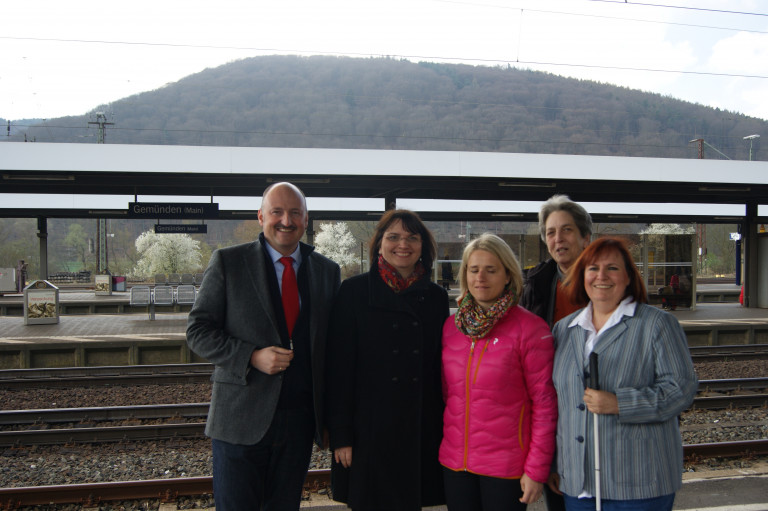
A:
(501, 407)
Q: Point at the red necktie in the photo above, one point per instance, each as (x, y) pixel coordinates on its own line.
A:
(290, 293)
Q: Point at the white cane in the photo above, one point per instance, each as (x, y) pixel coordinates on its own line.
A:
(594, 383)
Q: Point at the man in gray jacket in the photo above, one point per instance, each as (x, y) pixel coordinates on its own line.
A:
(269, 358)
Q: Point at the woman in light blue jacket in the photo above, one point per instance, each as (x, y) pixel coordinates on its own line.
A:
(646, 379)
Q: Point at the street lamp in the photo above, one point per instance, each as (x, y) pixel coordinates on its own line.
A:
(751, 138)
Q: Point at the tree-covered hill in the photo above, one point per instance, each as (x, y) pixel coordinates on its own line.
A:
(382, 103)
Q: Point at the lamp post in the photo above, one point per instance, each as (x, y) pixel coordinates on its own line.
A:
(751, 139)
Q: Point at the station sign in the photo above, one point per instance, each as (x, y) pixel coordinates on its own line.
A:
(172, 210)
(181, 228)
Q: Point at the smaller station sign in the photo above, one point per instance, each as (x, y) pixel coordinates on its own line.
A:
(181, 228)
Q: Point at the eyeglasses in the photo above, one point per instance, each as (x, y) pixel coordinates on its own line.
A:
(412, 239)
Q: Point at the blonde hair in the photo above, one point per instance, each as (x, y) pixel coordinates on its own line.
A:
(498, 247)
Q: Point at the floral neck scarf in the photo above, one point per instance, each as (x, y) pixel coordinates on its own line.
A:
(394, 280)
(475, 322)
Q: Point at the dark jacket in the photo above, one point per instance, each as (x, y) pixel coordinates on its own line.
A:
(384, 393)
(537, 290)
(234, 315)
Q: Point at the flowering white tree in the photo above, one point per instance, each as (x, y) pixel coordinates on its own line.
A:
(166, 253)
(335, 242)
(667, 229)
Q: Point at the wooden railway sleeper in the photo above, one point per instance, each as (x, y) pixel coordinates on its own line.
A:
(168, 496)
(91, 501)
(10, 505)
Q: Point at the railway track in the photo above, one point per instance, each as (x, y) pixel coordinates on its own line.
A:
(731, 392)
(67, 377)
(731, 352)
(60, 426)
(317, 482)
(736, 393)
(63, 377)
(101, 414)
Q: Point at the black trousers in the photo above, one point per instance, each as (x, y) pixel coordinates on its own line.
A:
(465, 491)
(269, 475)
(555, 502)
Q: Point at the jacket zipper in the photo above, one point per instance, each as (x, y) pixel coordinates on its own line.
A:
(470, 381)
(466, 404)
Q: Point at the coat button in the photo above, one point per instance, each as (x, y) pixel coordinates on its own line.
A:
(422, 298)
(580, 439)
(416, 324)
(581, 407)
(395, 379)
(415, 352)
(395, 352)
(415, 380)
(395, 325)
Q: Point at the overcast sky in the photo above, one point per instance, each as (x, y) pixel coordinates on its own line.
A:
(67, 57)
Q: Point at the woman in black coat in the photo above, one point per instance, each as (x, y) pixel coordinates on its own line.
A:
(384, 397)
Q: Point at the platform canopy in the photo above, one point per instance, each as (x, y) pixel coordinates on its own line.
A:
(35, 174)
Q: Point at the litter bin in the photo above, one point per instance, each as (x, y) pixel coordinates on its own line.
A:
(118, 283)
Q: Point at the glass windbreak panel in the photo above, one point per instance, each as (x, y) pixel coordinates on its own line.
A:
(671, 267)
(452, 237)
(347, 243)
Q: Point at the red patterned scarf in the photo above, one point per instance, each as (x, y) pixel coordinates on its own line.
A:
(394, 280)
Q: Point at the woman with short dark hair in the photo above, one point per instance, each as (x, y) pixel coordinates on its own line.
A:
(384, 401)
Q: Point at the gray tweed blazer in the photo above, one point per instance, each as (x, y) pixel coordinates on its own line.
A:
(233, 316)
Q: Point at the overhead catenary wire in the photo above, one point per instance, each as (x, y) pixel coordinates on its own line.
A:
(516, 62)
(434, 58)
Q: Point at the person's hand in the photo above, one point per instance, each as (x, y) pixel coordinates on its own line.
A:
(531, 490)
(601, 402)
(343, 455)
(554, 483)
(272, 359)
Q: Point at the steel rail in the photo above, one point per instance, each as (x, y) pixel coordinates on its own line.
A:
(733, 401)
(163, 489)
(100, 435)
(80, 372)
(744, 448)
(733, 385)
(97, 414)
(729, 352)
(68, 377)
(94, 381)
